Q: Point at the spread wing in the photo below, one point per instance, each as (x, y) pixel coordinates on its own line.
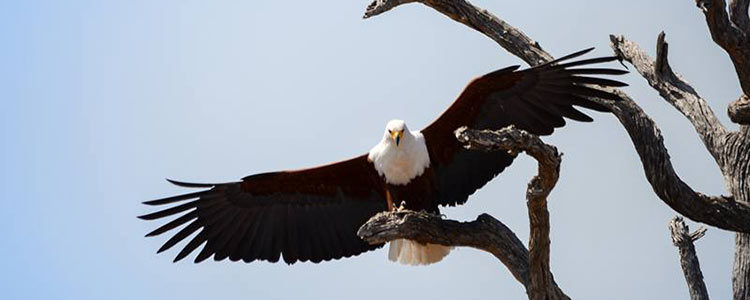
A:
(536, 100)
(306, 215)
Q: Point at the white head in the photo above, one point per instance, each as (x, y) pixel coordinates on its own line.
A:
(401, 155)
(396, 131)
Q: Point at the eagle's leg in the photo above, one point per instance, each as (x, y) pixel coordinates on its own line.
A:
(389, 200)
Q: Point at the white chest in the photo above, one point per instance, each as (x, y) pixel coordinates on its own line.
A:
(400, 164)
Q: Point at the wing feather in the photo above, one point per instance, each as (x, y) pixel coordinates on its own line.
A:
(536, 100)
(305, 215)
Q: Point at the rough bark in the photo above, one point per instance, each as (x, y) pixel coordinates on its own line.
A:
(722, 212)
(542, 284)
(732, 37)
(732, 33)
(684, 240)
(485, 233)
(478, 19)
(739, 110)
(675, 90)
(530, 267)
(741, 268)
(737, 175)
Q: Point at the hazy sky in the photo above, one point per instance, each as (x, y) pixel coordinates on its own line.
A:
(104, 99)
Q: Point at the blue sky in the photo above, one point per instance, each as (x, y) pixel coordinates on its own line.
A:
(104, 99)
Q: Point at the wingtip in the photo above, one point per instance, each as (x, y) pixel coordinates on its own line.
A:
(570, 56)
(163, 248)
(190, 184)
(181, 255)
(153, 233)
(151, 202)
(580, 52)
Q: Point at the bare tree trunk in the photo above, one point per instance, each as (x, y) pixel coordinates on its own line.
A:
(732, 33)
(737, 173)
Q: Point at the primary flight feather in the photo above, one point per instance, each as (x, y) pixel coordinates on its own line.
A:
(313, 214)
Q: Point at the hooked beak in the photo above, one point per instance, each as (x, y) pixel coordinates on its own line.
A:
(396, 136)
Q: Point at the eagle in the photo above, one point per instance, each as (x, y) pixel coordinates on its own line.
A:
(313, 214)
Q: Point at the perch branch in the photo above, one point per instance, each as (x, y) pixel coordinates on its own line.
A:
(485, 233)
(721, 212)
(684, 240)
(675, 90)
(529, 267)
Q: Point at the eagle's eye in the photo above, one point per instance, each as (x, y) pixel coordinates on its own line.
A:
(389, 131)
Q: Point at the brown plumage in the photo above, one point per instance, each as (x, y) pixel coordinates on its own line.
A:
(313, 214)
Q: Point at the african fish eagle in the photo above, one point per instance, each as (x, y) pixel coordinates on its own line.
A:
(313, 214)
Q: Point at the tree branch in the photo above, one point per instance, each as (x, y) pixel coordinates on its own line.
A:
(739, 110)
(530, 268)
(721, 212)
(732, 37)
(485, 233)
(688, 259)
(511, 139)
(675, 90)
(478, 19)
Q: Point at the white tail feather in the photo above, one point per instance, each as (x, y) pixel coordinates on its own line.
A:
(414, 253)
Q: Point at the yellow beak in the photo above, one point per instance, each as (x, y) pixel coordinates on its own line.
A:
(396, 136)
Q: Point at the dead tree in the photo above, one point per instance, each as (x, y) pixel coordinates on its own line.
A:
(730, 29)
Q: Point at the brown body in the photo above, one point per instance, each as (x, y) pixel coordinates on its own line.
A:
(419, 194)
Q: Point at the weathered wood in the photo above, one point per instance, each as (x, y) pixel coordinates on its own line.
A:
(478, 19)
(737, 175)
(485, 233)
(542, 284)
(530, 267)
(731, 37)
(741, 267)
(675, 90)
(732, 33)
(722, 212)
(683, 240)
(739, 110)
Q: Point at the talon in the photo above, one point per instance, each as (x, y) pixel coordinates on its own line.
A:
(401, 206)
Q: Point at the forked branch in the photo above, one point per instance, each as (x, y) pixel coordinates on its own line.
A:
(683, 240)
(674, 90)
